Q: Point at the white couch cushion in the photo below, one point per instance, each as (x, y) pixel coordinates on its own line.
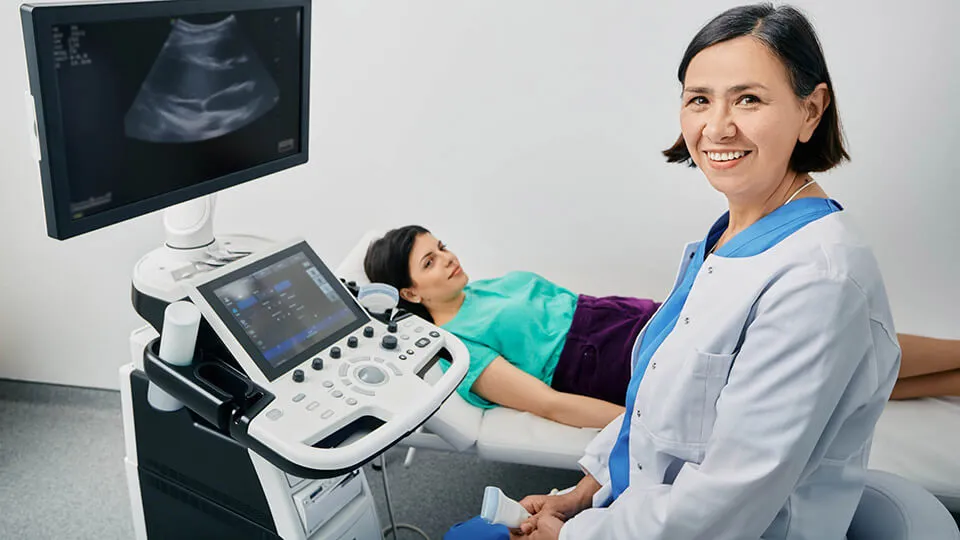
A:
(518, 437)
(919, 440)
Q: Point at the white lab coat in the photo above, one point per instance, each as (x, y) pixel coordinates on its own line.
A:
(754, 417)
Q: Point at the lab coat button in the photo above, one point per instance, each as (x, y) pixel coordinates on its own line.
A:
(638, 413)
(709, 269)
(686, 320)
(639, 467)
(653, 366)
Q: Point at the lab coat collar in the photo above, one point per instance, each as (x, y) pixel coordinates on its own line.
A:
(769, 229)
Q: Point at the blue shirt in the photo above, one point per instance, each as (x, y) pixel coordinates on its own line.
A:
(521, 317)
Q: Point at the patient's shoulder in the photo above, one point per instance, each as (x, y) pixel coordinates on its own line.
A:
(522, 275)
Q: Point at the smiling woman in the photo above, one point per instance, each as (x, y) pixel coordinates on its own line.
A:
(757, 384)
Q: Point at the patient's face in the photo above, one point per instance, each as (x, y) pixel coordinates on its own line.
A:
(435, 271)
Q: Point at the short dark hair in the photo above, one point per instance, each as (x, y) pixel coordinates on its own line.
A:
(388, 261)
(791, 37)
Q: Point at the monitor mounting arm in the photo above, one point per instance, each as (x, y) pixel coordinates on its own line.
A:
(190, 248)
(189, 226)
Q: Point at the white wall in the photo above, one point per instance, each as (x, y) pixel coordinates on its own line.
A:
(525, 134)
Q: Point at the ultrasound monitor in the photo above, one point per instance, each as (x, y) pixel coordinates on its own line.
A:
(142, 105)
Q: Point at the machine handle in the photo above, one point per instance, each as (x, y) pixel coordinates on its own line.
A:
(209, 388)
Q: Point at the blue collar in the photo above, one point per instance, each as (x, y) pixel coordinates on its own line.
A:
(770, 229)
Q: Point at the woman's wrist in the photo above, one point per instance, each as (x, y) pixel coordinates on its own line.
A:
(585, 491)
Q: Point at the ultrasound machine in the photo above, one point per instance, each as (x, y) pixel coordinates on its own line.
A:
(289, 385)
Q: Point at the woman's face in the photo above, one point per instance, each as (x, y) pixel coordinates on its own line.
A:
(741, 118)
(435, 272)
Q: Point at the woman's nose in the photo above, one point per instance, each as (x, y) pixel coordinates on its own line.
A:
(720, 125)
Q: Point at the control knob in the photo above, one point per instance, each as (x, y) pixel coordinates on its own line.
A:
(389, 342)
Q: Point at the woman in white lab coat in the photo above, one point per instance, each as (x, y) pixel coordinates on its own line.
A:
(757, 385)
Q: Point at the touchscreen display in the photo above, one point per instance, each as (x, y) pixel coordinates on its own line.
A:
(283, 308)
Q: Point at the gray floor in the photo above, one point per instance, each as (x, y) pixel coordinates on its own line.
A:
(61, 473)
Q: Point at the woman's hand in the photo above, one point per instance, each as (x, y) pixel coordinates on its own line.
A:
(548, 528)
(550, 507)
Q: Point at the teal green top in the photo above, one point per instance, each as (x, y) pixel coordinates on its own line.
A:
(522, 317)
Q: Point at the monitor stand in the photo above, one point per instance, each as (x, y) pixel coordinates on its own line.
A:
(190, 249)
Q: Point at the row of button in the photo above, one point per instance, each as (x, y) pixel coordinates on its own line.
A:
(314, 404)
(388, 342)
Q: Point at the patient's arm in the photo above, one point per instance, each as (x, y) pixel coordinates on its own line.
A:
(505, 384)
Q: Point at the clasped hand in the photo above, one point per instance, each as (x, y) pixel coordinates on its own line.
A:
(548, 513)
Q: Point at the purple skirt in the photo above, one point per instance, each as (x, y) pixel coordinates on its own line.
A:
(596, 357)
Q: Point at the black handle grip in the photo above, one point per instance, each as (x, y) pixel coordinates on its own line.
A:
(208, 387)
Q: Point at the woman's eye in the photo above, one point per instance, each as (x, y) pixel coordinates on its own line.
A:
(698, 100)
(428, 263)
(748, 100)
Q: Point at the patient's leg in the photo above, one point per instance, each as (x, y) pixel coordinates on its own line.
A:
(924, 355)
(928, 367)
(937, 384)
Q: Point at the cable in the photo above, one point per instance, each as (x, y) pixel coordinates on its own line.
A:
(386, 492)
(407, 527)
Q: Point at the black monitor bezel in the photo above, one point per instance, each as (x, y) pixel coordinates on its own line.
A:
(271, 372)
(37, 21)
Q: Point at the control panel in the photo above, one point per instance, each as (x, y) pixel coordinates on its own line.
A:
(352, 389)
(344, 386)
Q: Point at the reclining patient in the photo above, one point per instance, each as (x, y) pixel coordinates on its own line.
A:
(537, 347)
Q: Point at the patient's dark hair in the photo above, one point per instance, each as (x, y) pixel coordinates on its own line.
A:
(790, 36)
(388, 261)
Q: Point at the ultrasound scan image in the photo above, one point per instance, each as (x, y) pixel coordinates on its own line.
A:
(206, 82)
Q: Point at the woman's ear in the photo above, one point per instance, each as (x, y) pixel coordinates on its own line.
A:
(410, 295)
(814, 106)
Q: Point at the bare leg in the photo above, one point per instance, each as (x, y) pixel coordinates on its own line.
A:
(925, 356)
(928, 367)
(937, 384)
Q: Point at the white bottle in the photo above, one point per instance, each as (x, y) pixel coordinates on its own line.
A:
(499, 509)
(181, 322)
